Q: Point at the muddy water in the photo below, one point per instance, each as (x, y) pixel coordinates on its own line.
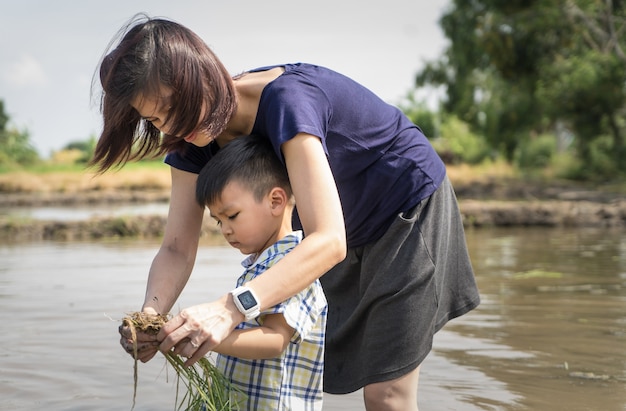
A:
(550, 334)
(552, 325)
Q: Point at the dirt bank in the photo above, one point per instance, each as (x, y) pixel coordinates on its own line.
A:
(151, 226)
(523, 203)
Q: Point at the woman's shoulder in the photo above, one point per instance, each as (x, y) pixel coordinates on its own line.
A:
(287, 67)
(296, 72)
(304, 82)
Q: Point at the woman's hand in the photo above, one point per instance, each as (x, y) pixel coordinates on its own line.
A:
(147, 345)
(200, 328)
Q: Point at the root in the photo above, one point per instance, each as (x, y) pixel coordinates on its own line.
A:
(148, 323)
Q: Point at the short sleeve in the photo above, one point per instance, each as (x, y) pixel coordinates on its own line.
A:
(301, 311)
(191, 158)
(289, 108)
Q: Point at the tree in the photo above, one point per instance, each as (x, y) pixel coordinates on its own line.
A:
(515, 68)
(86, 148)
(15, 147)
(593, 80)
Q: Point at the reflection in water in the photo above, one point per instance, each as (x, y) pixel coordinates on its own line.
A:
(559, 297)
(549, 335)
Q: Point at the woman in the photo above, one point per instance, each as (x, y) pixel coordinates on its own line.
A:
(382, 228)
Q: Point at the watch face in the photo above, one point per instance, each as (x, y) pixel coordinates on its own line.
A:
(247, 300)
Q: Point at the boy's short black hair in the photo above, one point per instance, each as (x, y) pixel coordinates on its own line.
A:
(251, 161)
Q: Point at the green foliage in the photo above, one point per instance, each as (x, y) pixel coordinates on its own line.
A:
(505, 115)
(584, 85)
(567, 166)
(536, 152)
(4, 117)
(459, 144)
(598, 167)
(517, 68)
(86, 148)
(15, 146)
(423, 117)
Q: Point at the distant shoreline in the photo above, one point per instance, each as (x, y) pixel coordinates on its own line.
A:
(485, 204)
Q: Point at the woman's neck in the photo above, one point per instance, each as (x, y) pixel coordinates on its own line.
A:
(249, 88)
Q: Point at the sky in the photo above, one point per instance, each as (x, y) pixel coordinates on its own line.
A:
(50, 50)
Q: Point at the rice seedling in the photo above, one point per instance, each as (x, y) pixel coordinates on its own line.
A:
(206, 388)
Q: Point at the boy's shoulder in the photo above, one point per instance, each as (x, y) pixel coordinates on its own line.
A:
(274, 252)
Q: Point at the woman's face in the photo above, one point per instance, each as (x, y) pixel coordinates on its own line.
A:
(156, 110)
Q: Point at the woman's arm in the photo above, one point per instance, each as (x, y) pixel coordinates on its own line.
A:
(319, 209)
(267, 341)
(174, 261)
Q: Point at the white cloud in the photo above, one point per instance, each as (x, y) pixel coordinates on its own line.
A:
(26, 72)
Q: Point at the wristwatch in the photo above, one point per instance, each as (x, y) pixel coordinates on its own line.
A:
(246, 302)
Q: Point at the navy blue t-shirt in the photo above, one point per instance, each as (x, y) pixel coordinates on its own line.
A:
(381, 161)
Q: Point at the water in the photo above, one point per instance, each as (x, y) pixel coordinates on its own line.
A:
(549, 335)
(85, 212)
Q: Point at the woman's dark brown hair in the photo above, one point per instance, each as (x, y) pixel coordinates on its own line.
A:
(153, 53)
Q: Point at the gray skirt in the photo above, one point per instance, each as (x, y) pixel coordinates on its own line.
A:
(387, 299)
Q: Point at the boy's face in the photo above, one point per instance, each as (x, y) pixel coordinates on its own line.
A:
(247, 224)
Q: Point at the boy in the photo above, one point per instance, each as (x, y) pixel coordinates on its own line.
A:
(274, 356)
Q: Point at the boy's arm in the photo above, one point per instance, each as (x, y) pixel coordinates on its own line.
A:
(266, 341)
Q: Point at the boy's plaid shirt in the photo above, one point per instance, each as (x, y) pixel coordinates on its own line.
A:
(292, 381)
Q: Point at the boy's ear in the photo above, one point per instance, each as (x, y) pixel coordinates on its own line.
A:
(278, 199)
